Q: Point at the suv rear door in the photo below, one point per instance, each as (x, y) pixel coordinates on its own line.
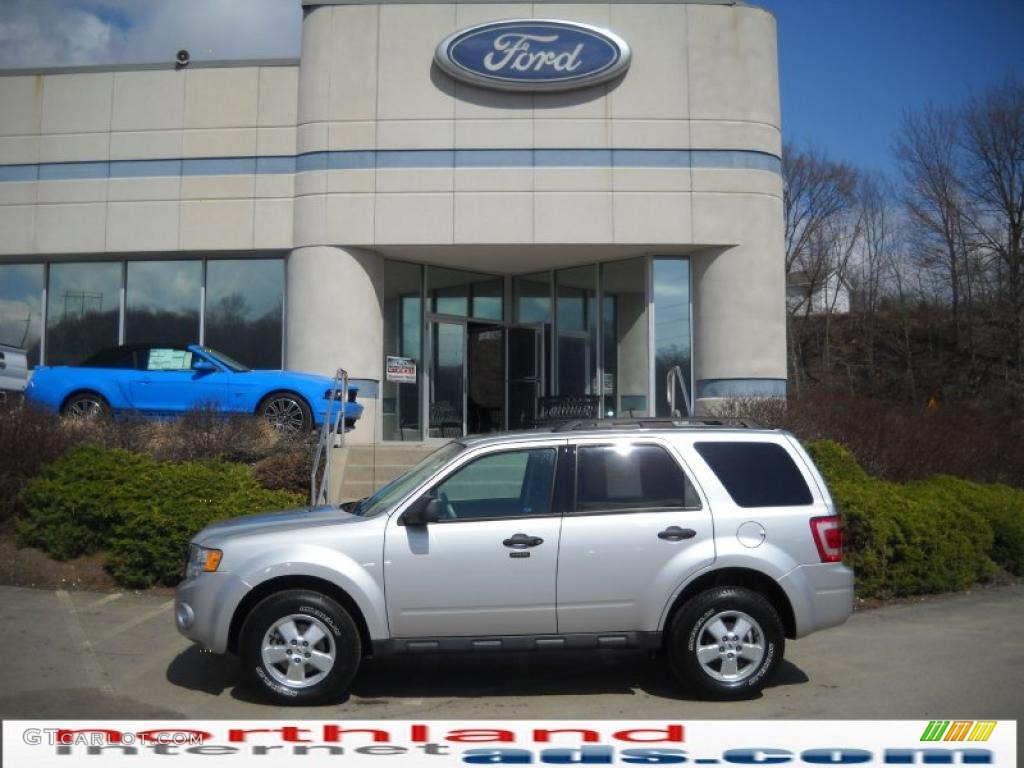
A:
(488, 567)
(637, 529)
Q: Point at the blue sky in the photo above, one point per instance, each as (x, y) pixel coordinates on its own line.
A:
(848, 67)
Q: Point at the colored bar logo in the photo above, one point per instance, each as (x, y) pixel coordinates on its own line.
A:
(958, 730)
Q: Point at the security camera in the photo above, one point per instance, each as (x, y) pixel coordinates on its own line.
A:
(182, 59)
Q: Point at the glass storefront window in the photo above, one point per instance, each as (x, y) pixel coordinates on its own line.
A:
(671, 288)
(532, 298)
(83, 310)
(162, 302)
(624, 338)
(244, 301)
(21, 308)
(577, 331)
(399, 290)
(465, 294)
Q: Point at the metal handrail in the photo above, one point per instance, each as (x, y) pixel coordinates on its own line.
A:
(333, 425)
(675, 376)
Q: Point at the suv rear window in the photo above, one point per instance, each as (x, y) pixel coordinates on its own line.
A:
(622, 477)
(756, 474)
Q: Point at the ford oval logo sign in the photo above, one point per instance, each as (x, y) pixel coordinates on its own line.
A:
(533, 55)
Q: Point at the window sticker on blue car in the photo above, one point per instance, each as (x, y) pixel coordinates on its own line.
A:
(169, 360)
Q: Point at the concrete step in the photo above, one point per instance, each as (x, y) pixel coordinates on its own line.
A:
(394, 455)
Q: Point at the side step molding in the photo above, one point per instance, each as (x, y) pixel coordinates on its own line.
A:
(579, 641)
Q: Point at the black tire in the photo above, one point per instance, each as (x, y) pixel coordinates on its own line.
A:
(85, 406)
(693, 627)
(286, 412)
(324, 615)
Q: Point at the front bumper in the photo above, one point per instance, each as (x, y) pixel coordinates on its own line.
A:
(821, 595)
(204, 607)
(353, 411)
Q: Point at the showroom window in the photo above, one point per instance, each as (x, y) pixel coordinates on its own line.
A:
(90, 306)
(244, 303)
(21, 308)
(83, 310)
(670, 285)
(162, 301)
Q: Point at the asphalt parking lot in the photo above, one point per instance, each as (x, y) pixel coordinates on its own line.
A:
(87, 654)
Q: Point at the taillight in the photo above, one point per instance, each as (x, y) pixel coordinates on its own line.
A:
(828, 538)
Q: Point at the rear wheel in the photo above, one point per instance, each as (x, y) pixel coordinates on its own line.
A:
(86, 406)
(300, 647)
(287, 413)
(726, 643)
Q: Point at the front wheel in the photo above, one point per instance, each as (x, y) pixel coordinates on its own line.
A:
(287, 413)
(726, 643)
(300, 647)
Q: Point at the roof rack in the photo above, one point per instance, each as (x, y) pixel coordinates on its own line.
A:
(652, 423)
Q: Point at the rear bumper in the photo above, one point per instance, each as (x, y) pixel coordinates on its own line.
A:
(821, 595)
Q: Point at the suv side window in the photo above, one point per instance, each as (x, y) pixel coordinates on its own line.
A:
(624, 477)
(756, 474)
(507, 484)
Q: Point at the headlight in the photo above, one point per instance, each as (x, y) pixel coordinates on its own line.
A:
(201, 559)
(340, 396)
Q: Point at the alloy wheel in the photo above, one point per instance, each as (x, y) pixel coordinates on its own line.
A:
(298, 651)
(730, 646)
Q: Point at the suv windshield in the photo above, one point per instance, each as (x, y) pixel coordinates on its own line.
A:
(398, 488)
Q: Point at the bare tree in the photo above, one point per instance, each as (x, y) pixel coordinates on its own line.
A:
(818, 196)
(993, 142)
(927, 150)
(815, 189)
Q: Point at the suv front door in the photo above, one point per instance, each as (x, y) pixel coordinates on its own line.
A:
(637, 529)
(487, 567)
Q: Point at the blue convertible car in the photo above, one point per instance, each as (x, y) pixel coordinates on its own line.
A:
(165, 380)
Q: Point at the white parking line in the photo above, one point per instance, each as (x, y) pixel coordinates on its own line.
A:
(90, 663)
(104, 601)
(136, 621)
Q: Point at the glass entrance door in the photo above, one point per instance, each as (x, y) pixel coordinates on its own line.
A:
(446, 406)
(525, 374)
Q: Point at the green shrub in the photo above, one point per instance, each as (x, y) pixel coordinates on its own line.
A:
(904, 540)
(140, 511)
(1001, 505)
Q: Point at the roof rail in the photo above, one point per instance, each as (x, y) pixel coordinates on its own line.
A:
(652, 423)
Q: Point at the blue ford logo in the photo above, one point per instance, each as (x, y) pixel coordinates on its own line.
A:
(533, 55)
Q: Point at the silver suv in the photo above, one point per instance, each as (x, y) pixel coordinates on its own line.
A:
(713, 541)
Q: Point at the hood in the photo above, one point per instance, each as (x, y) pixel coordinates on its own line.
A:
(275, 522)
(311, 378)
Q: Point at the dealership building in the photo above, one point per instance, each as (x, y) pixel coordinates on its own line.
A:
(482, 210)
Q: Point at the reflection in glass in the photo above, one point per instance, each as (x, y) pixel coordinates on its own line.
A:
(399, 291)
(532, 298)
(162, 302)
(244, 301)
(577, 331)
(671, 287)
(624, 338)
(83, 310)
(465, 294)
(21, 308)
(446, 398)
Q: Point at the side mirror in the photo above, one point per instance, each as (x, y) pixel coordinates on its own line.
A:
(424, 510)
(204, 366)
